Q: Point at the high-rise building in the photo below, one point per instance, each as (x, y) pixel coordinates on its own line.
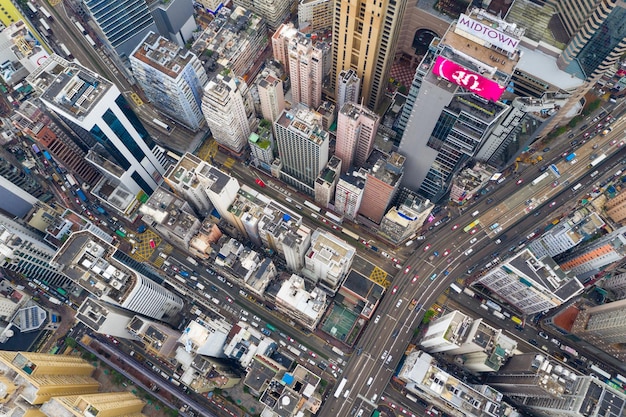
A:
(404, 221)
(280, 43)
(605, 322)
(348, 87)
(124, 23)
(175, 19)
(530, 285)
(356, 130)
(305, 70)
(272, 97)
(588, 259)
(616, 284)
(566, 235)
(449, 117)
(229, 112)
(111, 404)
(94, 107)
(349, 195)
(262, 147)
(275, 12)
(19, 178)
(302, 147)
(171, 77)
(16, 187)
(328, 260)
(94, 265)
(326, 182)
(315, 15)
(365, 36)
(211, 6)
(616, 208)
(69, 151)
(382, 181)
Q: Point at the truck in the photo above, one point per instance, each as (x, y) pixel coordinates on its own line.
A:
(498, 315)
(570, 157)
(81, 195)
(54, 300)
(101, 210)
(200, 286)
(192, 261)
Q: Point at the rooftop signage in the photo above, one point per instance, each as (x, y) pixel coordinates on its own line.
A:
(467, 79)
(485, 32)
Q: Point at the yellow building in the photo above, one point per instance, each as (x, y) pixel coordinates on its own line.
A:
(106, 404)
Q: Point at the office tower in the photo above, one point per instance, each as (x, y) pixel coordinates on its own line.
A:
(174, 19)
(229, 112)
(326, 182)
(567, 234)
(404, 221)
(93, 106)
(365, 36)
(280, 43)
(356, 130)
(40, 376)
(71, 153)
(171, 77)
(315, 15)
(349, 195)
(25, 252)
(271, 95)
(302, 147)
(305, 71)
(447, 117)
(588, 259)
(328, 260)
(124, 23)
(382, 180)
(605, 322)
(109, 404)
(20, 178)
(16, 201)
(348, 87)
(262, 147)
(530, 285)
(275, 12)
(94, 265)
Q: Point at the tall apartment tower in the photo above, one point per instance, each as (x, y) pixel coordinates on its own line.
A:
(348, 87)
(111, 404)
(171, 77)
(365, 34)
(306, 71)
(382, 181)
(280, 43)
(302, 147)
(124, 23)
(446, 117)
(275, 12)
(356, 131)
(315, 15)
(349, 195)
(124, 152)
(605, 322)
(272, 98)
(229, 111)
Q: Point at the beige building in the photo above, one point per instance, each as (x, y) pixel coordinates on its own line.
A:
(616, 208)
(280, 43)
(315, 15)
(271, 95)
(105, 404)
(306, 71)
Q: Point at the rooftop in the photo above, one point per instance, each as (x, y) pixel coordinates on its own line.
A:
(306, 123)
(163, 55)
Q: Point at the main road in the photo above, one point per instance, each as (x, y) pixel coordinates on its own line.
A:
(441, 260)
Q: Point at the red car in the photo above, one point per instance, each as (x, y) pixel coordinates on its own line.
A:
(259, 182)
(446, 252)
(426, 248)
(408, 268)
(519, 181)
(415, 278)
(395, 289)
(472, 231)
(456, 226)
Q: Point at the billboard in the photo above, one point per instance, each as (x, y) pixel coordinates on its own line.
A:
(488, 34)
(475, 83)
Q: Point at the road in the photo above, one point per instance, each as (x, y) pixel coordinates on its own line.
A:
(426, 275)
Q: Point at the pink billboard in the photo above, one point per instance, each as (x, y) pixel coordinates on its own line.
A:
(473, 82)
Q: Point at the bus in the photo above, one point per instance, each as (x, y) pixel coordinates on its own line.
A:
(90, 40)
(173, 155)
(340, 387)
(597, 160)
(270, 327)
(351, 234)
(66, 51)
(45, 25)
(312, 206)
(493, 305)
(471, 226)
(70, 178)
(45, 13)
(81, 195)
(540, 178)
(335, 219)
(469, 292)
(120, 233)
(516, 320)
(376, 413)
(455, 288)
(31, 7)
(80, 27)
(62, 291)
(162, 125)
(294, 350)
(620, 378)
(605, 376)
(576, 187)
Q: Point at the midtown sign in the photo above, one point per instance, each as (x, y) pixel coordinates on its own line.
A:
(487, 33)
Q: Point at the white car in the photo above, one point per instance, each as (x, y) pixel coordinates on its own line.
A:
(473, 240)
(573, 161)
(376, 319)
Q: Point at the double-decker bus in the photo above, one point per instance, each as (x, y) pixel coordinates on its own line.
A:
(597, 160)
(540, 178)
(471, 226)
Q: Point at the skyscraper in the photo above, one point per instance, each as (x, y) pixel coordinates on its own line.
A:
(124, 23)
(93, 106)
(306, 71)
(356, 131)
(365, 34)
(302, 147)
(605, 322)
(171, 77)
(348, 87)
(229, 111)
(271, 95)
(349, 195)
(382, 181)
(280, 43)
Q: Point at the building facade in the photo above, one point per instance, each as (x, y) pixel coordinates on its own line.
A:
(271, 96)
(349, 195)
(382, 182)
(356, 130)
(315, 15)
(305, 70)
(348, 87)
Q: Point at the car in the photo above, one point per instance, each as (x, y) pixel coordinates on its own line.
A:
(407, 269)
(583, 127)
(537, 213)
(436, 253)
(415, 278)
(574, 143)
(377, 319)
(571, 135)
(473, 231)
(555, 341)
(433, 276)
(533, 342)
(437, 223)
(456, 226)
(489, 200)
(335, 227)
(313, 354)
(543, 335)
(555, 183)
(614, 141)
(552, 204)
(230, 300)
(573, 161)
(473, 240)
(395, 289)
(446, 252)
(518, 182)
(586, 135)
(426, 248)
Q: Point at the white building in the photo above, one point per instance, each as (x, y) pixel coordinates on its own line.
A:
(245, 342)
(171, 77)
(205, 337)
(348, 87)
(567, 234)
(306, 308)
(229, 111)
(328, 260)
(105, 319)
(349, 195)
(530, 285)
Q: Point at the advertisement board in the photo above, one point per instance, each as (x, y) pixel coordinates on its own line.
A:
(475, 83)
(487, 33)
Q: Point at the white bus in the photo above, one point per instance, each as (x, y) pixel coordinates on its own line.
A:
(576, 187)
(334, 218)
(45, 25)
(45, 13)
(162, 125)
(66, 51)
(340, 387)
(80, 27)
(597, 160)
(540, 178)
(600, 372)
(312, 206)
(31, 7)
(469, 292)
(455, 288)
(90, 40)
